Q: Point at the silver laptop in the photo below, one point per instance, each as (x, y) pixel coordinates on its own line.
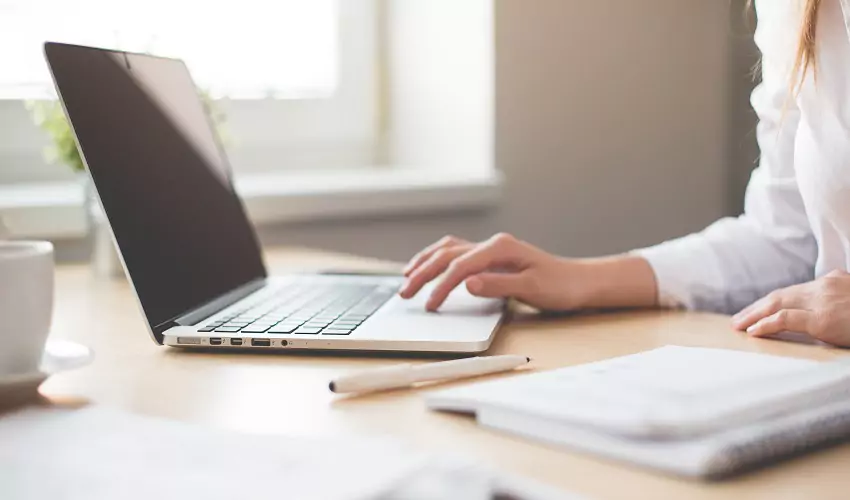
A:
(188, 248)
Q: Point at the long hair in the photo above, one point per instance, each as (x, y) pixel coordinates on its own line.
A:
(806, 56)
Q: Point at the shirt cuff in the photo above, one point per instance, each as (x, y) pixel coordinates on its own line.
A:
(669, 262)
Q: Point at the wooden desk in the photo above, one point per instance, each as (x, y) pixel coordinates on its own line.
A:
(277, 393)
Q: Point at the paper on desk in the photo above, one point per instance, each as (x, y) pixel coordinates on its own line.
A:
(677, 370)
(96, 454)
(104, 454)
(632, 395)
(669, 371)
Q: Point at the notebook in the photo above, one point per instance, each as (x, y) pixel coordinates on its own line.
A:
(689, 411)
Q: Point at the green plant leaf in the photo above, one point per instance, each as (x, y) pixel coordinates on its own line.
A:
(50, 117)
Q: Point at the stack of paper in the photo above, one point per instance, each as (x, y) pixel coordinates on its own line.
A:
(690, 411)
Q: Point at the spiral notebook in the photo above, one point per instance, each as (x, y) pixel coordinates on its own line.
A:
(689, 411)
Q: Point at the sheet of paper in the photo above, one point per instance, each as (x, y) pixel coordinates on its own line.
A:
(683, 370)
(622, 394)
(99, 454)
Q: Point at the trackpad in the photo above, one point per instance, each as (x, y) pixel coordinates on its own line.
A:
(462, 317)
(459, 302)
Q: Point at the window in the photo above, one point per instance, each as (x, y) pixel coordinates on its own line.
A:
(310, 87)
(242, 49)
(296, 77)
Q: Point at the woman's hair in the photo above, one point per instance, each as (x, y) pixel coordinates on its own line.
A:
(805, 58)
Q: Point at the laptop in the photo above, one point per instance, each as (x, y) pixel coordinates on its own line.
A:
(185, 241)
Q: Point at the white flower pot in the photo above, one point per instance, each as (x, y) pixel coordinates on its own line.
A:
(104, 259)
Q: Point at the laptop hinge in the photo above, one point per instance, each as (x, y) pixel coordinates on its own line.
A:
(208, 309)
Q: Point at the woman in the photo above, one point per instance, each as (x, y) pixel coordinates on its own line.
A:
(782, 265)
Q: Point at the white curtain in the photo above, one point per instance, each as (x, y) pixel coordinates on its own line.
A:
(239, 48)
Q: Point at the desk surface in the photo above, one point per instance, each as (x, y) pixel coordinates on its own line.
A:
(275, 393)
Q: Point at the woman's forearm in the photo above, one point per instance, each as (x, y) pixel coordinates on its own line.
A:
(618, 281)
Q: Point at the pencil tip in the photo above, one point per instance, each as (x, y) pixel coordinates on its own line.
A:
(528, 359)
(332, 387)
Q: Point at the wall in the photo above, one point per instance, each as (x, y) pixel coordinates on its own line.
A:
(439, 84)
(743, 56)
(611, 131)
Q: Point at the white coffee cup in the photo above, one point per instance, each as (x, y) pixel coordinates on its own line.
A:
(26, 304)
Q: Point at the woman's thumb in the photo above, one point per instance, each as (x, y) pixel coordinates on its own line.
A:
(496, 285)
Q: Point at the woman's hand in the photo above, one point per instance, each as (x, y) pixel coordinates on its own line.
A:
(820, 308)
(502, 266)
(505, 267)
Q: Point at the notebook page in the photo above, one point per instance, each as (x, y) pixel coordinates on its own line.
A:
(623, 394)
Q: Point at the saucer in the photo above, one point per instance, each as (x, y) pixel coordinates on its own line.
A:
(59, 356)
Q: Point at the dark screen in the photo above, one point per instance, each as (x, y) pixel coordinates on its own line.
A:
(160, 174)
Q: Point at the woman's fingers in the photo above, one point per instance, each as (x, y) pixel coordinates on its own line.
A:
(434, 266)
(795, 320)
(787, 298)
(424, 255)
(498, 251)
(756, 311)
(498, 285)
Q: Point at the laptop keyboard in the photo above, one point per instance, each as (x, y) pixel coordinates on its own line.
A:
(309, 309)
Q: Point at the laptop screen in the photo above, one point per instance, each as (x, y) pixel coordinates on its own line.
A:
(161, 176)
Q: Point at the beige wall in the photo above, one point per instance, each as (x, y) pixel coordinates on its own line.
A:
(612, 131)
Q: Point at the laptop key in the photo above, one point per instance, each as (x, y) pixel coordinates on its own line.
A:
(307, 331)
(335, 331)
(255, 329)
(228, 329)
(290, 323)
(343, 326)
(283, 328)
(207, 328)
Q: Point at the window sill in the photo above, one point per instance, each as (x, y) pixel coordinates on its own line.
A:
(55, 210)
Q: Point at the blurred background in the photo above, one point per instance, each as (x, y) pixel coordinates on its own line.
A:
(376, 126)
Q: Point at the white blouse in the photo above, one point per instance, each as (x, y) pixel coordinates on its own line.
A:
(796, 223)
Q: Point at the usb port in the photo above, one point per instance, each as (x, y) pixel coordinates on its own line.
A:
(261, 342)
(215, 341)
(235, 341)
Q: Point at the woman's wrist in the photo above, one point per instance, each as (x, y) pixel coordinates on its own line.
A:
(618, 281)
